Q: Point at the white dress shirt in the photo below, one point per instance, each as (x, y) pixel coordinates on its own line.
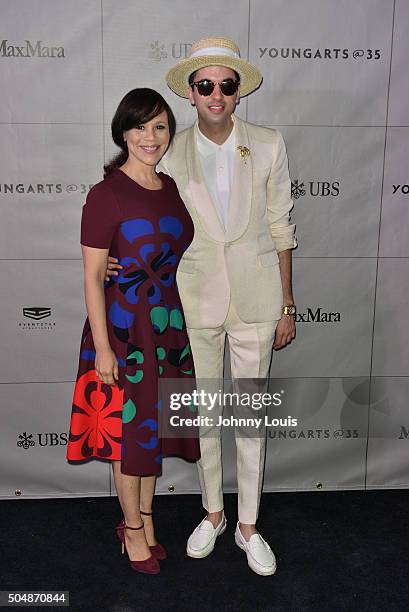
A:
(217, 162)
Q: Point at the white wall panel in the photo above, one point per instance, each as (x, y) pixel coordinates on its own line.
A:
(139, 50)
(41, 88)
(399, 93)
(46, 173)
(345, 86)
(394, 238)
(391, 346)
(326, 450)
(46, 349)
(178, 476)
(335, 299)
(337, 181)
(388, 444)
(35, 419)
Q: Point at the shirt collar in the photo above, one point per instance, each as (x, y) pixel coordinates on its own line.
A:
(207, 147)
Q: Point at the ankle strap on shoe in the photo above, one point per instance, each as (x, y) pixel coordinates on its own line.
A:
(145, 513)
(133, 528)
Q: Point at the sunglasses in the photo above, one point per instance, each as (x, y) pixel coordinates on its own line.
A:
(205, 87)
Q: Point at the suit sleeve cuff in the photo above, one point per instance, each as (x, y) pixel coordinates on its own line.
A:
(284, 237)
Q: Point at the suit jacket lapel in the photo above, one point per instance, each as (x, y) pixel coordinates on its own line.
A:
(242, 188)
(198, 193)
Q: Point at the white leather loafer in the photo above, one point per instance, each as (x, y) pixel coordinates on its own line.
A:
(201, 542)
(260, 557)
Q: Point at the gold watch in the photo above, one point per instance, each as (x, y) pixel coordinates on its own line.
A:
(289, 309)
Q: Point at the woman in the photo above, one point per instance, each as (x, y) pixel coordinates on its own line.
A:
(135, 331)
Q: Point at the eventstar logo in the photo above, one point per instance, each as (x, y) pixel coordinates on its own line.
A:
(314, 53)
(30, 49)
(36, 314)
(317, 316)
(314, 188)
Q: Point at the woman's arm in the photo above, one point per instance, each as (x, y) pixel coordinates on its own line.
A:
(95, 263)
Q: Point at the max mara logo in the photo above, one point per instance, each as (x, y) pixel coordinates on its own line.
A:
(30, 49)
(318, 316)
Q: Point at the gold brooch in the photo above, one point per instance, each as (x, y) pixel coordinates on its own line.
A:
(244, 152)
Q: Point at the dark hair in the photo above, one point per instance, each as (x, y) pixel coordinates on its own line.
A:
(192, 76)
(136, 107)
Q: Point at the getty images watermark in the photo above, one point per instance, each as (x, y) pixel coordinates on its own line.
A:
(208, 404)
(313, 410)
(202, 407)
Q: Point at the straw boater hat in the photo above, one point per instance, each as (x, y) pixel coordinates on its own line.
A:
(213, 52)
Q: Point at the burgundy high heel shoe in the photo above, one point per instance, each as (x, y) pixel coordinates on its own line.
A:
(158, 551)
(147, 566)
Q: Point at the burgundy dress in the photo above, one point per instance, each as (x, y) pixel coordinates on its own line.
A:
(148, 231)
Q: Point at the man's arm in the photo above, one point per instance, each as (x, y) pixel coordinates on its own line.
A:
(285, 259)
(279, 204)
(285, 331)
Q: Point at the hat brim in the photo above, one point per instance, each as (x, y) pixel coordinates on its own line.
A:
(178, 77)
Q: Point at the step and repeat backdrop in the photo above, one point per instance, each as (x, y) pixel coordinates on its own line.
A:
(336, 86)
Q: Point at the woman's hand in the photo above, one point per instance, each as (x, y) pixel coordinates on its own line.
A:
(106, 366)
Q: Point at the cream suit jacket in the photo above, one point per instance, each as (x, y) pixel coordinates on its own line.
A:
(241, 262)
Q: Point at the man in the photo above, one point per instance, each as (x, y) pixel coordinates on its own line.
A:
(235, 278)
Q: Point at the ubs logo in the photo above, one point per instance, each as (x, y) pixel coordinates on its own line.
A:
(177, 50)
(25, 441)
(180, 50)
(314, 188)
(158, 51)
(28, 440)
(30, 49)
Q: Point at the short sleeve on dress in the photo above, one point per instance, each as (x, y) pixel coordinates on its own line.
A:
(100, 217)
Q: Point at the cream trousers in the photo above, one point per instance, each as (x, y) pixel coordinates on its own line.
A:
(250, 356)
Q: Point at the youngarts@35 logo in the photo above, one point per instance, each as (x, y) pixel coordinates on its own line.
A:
(43, 188)
(400, 189)
(317, 53)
